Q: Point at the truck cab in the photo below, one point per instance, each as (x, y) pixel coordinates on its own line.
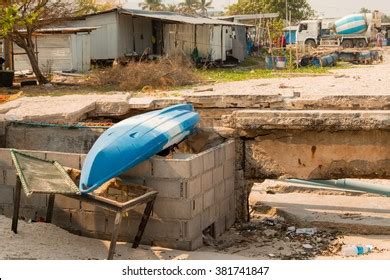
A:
(309, 32)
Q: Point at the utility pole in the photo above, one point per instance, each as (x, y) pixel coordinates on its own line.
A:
(8, 45)
(286, 13)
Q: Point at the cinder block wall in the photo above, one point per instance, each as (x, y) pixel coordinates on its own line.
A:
(196, 192)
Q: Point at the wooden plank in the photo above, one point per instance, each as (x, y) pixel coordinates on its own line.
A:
(15, 216)
(114, 237)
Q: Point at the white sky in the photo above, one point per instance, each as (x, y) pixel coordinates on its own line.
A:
(326, 8)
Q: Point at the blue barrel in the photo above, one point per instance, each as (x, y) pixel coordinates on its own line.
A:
(269, 64)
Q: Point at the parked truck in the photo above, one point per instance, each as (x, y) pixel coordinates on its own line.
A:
(356, 30)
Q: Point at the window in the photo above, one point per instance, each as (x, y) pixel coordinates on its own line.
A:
(302, 27)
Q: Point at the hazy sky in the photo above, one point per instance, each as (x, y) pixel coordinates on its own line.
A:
(326, 8)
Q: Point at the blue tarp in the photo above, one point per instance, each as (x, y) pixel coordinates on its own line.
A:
(292, 39)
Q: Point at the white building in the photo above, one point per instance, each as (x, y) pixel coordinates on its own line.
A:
(58, 49)
(126, 33)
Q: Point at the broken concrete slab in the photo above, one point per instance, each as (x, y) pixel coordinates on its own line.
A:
(148, 103)
(229, 100)
(330, 120)
(339, 102)
(352, 214)
(69, 108)
(114, 105)
(318, 155)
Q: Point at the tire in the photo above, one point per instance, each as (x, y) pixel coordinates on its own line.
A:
(361, 43)
(346, 44)
(311, 43)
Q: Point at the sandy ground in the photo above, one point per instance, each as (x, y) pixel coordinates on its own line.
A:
(358, 80)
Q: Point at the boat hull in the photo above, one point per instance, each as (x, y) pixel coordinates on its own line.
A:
(133, 141)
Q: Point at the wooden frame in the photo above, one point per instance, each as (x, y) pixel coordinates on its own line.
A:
(111, 205)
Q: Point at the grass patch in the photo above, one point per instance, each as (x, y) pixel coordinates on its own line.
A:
(230, 75)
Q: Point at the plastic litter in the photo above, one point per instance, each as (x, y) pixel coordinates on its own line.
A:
(307, 231)
(355, 250)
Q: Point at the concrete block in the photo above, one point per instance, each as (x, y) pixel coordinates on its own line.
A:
(219, 226)
(2, 176)
(8, 210)
(208, 159)
(169, 188)
(207, 180)
(174, 168)
(208, 198)
(193, 227)
(6, 194)
(219, 192)
(232, 203)
(179, 244)
(193, 187)
(5, 159)
(128, 229)
(61, 218)
(144, 169)
(209, 216)
(65, 159)
(164, 228)
(133, 180)
(219, 153)
(224, 207)
(64, 202)
(85, 206)
(229, 169)
(177, 208)
(84, 220)
(196, 166)
(10, 177)
(230, 150)
(229, 187)
(230, 219)
(217, 175)
(36, 214)
(36, 200)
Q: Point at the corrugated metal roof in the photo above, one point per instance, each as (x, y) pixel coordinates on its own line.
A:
(172, 17)
(249, 17)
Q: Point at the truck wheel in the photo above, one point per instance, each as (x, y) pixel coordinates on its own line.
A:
(361, 43)
(347, 44)
(311, 43)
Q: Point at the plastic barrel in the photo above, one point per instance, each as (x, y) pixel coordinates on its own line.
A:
(6, 78)
(269, 64)
(281, 62)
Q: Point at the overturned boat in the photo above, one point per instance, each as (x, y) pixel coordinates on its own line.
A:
(133, 141)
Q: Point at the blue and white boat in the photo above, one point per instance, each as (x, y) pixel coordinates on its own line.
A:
(133, 141)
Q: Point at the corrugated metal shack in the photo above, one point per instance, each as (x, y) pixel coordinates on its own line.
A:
(128, 32)
(58, 49)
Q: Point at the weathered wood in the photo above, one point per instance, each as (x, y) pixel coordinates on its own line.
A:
(15, 216)
(50, 206)
(143, 223)
(115, 233)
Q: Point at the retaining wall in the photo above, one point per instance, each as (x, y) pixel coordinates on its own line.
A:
(196, 192)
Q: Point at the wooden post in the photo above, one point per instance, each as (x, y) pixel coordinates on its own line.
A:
(50, 206)
(144, 221)
(15, 216)
(115, 233)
